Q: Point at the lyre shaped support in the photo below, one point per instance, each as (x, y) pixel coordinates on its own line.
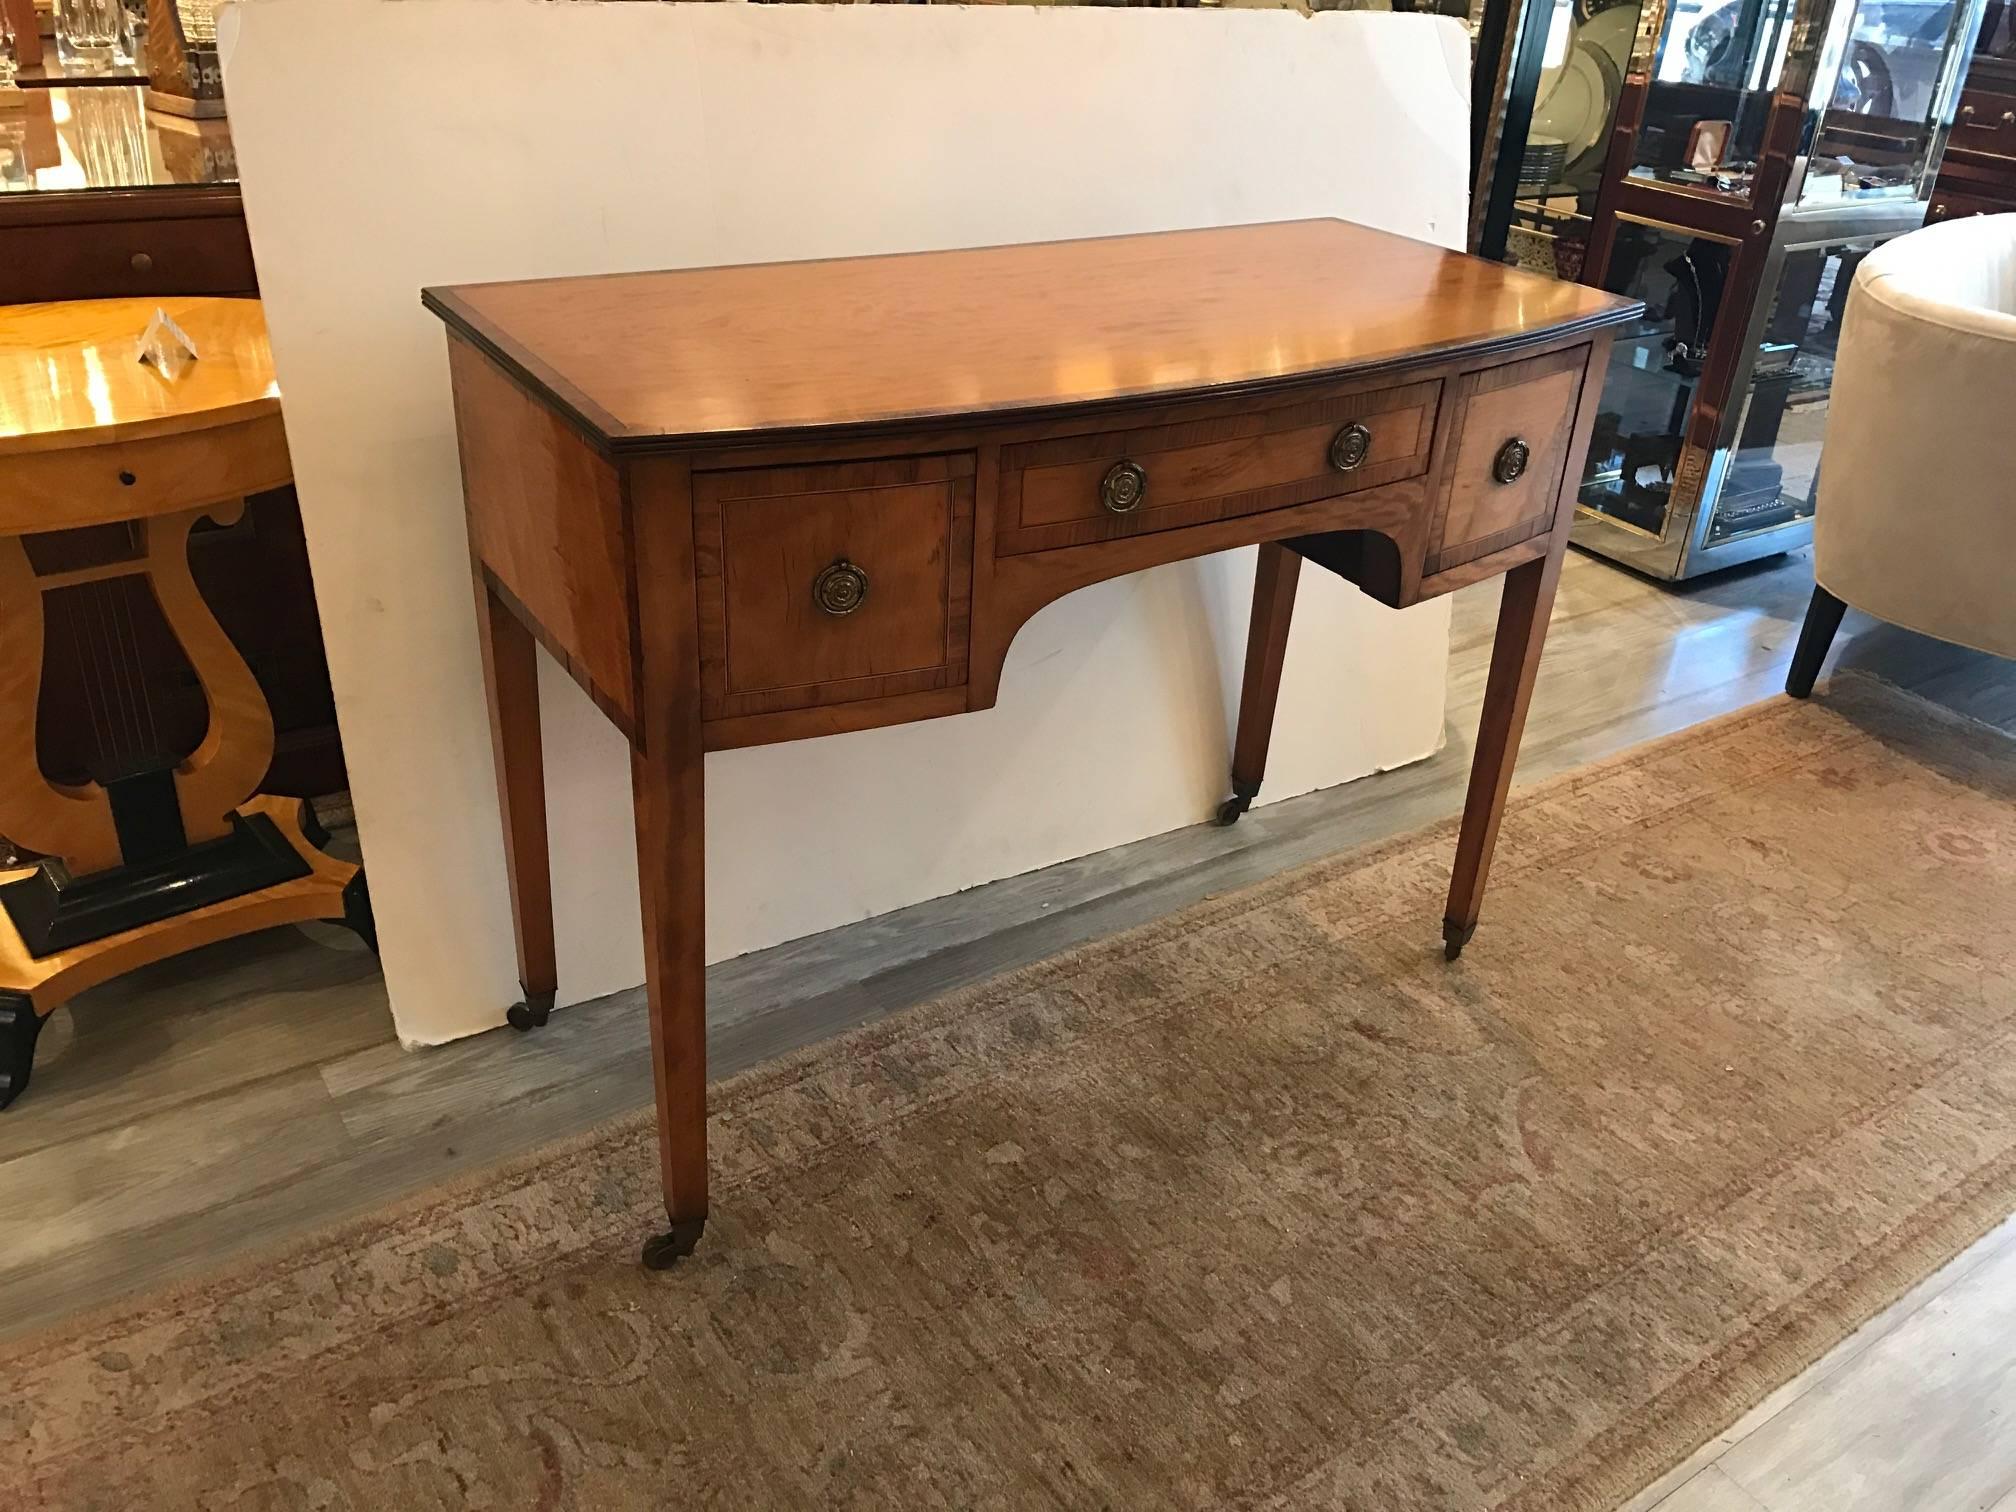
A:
(75, 823)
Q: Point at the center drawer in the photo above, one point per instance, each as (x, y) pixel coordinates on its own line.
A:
(1070, 490)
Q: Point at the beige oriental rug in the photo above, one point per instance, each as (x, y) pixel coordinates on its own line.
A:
(1261, 1206)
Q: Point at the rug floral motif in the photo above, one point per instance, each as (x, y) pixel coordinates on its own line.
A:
(1263, 1205)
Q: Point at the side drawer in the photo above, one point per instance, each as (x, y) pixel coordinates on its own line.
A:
(110, 259)
(831, 583)
(1510, 428)
(1074, 489)
(1985, 123)
(1946, 205)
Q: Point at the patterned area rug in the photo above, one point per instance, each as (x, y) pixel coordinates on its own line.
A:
(1260, 1206)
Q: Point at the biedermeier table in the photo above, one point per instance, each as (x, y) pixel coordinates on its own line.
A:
(750, 504)
(154, 838)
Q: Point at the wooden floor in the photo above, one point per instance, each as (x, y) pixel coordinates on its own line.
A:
(247, 1093)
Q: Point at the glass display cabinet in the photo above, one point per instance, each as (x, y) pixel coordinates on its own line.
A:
(1549, 129)
(1760, 149)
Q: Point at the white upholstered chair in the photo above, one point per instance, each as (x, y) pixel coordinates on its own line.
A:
(1916, 517)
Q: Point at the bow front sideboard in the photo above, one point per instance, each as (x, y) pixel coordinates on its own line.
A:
(759, 503)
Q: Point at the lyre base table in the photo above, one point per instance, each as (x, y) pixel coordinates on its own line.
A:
(154, 839)
(751, 504)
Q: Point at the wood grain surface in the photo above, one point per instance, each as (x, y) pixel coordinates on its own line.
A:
(763, 536)
(70, 374)
(1531, 402)
(1241, 461)
(551, 528)
(647, 359)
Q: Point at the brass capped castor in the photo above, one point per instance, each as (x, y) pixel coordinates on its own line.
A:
(1243, 794)
(663, 1251)
(530, 1014)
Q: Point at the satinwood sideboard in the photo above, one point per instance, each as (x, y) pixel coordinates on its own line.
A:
(750, 504)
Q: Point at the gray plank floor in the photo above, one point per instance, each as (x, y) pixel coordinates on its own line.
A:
(248, 1093)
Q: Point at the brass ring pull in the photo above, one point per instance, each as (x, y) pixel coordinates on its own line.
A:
(1124, 487)
(1511, 461)
(1349, 446)
(840, 588)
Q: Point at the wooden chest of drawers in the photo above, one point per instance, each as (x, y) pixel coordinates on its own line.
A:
(756, 504)
(1977, 176)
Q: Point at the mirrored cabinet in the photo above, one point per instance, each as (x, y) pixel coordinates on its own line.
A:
(1753, 152)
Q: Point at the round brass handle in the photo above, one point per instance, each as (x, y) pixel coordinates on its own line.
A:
(2009, 118)
(1349, 446)
(1124, 487)
(142, 262)
(840, 588)
(1511, 460)
(1966, 112)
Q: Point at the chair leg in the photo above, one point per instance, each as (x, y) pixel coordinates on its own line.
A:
(1823, 618)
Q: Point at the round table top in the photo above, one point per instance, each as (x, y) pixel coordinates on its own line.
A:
(70, 375)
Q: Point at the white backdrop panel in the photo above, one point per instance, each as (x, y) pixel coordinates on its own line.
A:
(387, 144)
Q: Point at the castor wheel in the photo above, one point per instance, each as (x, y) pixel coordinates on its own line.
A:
(663, 1251)
(1454, 938)
(1241, 800)
(530, 1014)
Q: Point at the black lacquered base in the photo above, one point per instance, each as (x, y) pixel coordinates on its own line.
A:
(1243, 794)
(19, 1027)
(663, 1251)
(1454, 937)
(55, 911)
(357, 915)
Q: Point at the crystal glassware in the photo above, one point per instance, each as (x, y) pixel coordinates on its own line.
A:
(91, 32)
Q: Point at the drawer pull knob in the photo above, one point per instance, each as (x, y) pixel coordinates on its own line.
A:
(142, 262)
(840, 588)
(1349, 446)
(2009, 118)
(1511, 461)
(1124, 487)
